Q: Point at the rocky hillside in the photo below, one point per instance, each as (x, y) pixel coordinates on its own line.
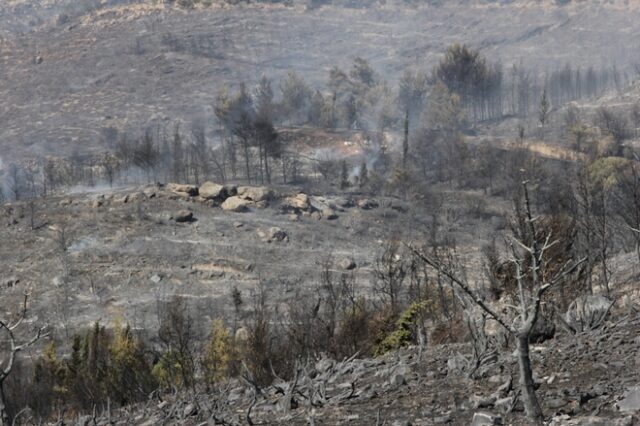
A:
(589, 379)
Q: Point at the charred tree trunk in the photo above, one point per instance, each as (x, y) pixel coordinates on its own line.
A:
(4, 415)
(527, 386)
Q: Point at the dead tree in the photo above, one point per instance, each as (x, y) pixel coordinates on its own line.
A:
(10, 328)
(533, 278)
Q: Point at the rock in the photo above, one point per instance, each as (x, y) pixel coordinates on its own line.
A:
(189, 410)
(155, 278)
(347, 264)
(183, 216)
(497, 378)
(183, 189)
(345, 203)
(213, 191)
(398, 380)
(630, 402)
(238, 224)
(485, 419)
(273, 234)
(478, 401)
(137, 196)
(367, 204)
(255, 193)
(543, 330)
(440, 420)
(555, 403)
(587, 312)
(122, 200)
(504, 404)
(326, 209)
(236, 204)
(329, 214)
(242, 334)
(150, 193)
(299, 202)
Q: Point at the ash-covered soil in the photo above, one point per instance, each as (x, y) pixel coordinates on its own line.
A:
(115, 253)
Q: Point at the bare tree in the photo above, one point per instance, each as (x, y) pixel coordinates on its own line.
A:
(533, 278)
(543, 111)
(390, 271)
(635, 117)
(10, 328)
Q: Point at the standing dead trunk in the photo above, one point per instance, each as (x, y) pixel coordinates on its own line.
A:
(245, 144)
(527, 386)
(534, 278)
(4, 415)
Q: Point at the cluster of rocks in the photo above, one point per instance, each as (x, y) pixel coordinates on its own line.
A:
(229, 197)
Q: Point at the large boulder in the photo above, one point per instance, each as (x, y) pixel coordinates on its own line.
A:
(213, 191)
(587, 312)
(183, 189)
(255, 193)
(298, 202)
(236, 204)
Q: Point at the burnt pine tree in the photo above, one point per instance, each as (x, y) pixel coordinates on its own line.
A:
(16, 343)
(544, 110)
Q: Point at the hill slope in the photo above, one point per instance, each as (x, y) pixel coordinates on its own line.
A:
(126, 65)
